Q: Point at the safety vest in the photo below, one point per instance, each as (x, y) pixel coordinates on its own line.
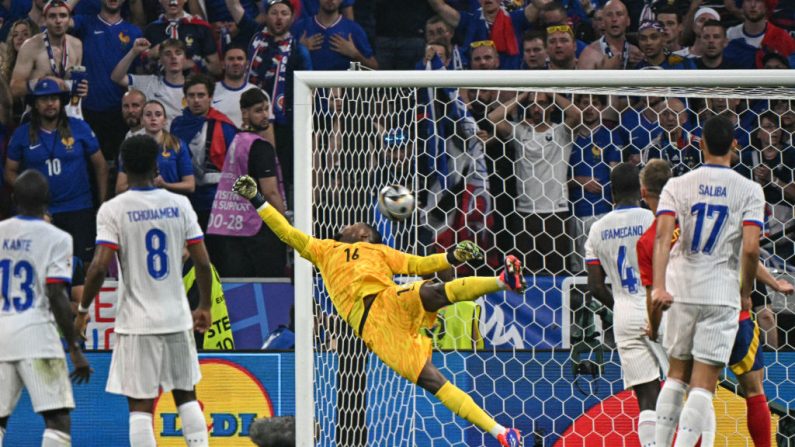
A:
(219, 336)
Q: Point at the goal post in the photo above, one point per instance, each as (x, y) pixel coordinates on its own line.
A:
(400, 92)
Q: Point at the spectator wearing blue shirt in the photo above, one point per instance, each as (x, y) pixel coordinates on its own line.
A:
(652, 45)
(215, 11)
(713, 44)
(61, 148)
(311, 7)
(13, 10)
(436, 30)
(677, 146)
(270, 48)
(334, 41)
(174, 165)
(638, 125)
(595, 150)
(491, 22)
(106, 39)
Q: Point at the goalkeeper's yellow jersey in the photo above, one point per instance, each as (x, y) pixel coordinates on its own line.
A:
(351, 271)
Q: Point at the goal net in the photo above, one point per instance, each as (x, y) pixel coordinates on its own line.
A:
(518, 162)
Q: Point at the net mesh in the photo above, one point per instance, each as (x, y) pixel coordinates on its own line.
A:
(526, 172)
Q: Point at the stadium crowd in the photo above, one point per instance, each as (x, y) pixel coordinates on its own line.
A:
(77, 77)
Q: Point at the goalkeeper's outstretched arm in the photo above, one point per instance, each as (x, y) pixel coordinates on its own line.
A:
(424, 265)
(246, 187)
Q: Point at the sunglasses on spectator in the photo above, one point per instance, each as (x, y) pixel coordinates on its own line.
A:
(559, 29)
(482, 43)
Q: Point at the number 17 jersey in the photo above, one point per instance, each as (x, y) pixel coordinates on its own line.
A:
(148, 229)
(712, 204)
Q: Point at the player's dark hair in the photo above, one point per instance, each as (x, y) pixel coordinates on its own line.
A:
(276, 431)
(625, 183)
(375, 235)
(199, 78)
(139, 155)
(655, 175)
(718, 135)
(252, 97)
(31, 193)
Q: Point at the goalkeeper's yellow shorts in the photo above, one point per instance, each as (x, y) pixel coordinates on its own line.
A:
(392, 329)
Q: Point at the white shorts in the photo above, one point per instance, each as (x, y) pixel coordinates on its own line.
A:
(642, 361)
(143, 364)
(47, 381)
(701, 332)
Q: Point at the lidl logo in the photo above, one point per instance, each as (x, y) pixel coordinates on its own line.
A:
(231, 397)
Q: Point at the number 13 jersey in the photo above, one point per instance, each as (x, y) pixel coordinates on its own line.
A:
(148, 229)
(712, 204)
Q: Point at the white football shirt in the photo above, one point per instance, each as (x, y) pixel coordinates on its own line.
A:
(148, 228)
(712, 204)
(33, 253)
(611, 244)
(157, 88)
(227, 101)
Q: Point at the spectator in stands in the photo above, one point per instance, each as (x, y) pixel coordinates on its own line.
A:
(51, 54)
(693, 28)
(598, 23)
(277, 431)
(399, 29)
(61, 148)
(786, 110)
(132, 107)
(334, 41)
(437, 56)
(674, 144)
(249, 249)
(561, 47)
(21, 30)
(595, 151)
(311, 7)
(638, 125)
(208, 133)
(216, 12)
(534, 51)
(36, 13)
(750, 40)
(484, 55)
(228, 90)
(713, 42)
(652, 45)
(775, 61)
(543, 149)
(672, 27)
(437, 29)
(273, 47)
(612, 51)
(774, 164)
(166, 88)
(106, 39)
(174, 169)
(491, 22)
(175, 23)
(554, 13)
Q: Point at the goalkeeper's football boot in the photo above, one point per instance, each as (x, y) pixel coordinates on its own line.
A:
(510, 438)
(512, 275)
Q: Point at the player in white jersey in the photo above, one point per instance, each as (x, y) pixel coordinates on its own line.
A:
(610, 249)
(146, 229)
(698, 280)
(36, 266)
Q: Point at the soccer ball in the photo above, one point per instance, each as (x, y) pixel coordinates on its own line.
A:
(396, 202)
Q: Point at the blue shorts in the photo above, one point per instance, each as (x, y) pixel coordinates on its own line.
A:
(747, 351)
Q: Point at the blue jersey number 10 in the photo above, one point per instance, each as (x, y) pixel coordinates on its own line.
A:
(715, 213)
(156, 255)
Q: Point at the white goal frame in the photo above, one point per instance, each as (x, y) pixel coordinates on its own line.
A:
(305, 82)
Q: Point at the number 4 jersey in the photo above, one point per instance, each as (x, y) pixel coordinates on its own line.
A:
(712, 204)
(611, 244)
(33, 253)
(148, 229)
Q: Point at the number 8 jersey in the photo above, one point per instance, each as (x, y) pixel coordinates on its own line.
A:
(148, 229)
(33, 253)
(712, 204)
(611, 244)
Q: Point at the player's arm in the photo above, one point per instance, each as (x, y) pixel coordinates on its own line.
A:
(62, 310)
(749, 259)
(246, 187)
(597, 286)
(204, 281)
(779, 285)
(407, 264)
(20, 77)
(662, 250)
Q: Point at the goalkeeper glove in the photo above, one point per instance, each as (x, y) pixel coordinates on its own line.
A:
(463, 252)
(246, 187)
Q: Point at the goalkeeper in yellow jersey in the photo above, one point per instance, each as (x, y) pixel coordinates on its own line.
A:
(357, 271)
